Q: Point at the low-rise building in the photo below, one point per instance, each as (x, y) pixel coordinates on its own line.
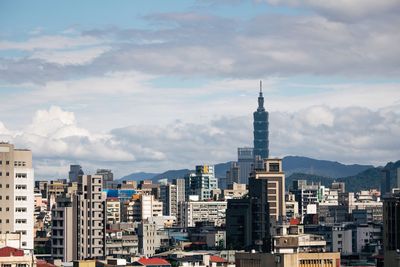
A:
(245, 259)
(13, 257)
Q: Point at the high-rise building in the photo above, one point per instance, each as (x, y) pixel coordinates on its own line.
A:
(91, 219)
(180, 189)
(272, 172)
(261, 143)
(385, 182)
(63, 228)
(74, 172)
(201, 182)
(168, 196)
(245, 163)
(17, 193)
(108, 177)
(233, 174)
(391, 229)
(248, 219)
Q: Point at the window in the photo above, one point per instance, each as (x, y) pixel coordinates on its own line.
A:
(7, 162)
(7, 186)
(20, 198)
(7, 174)
(19, 221)
(20, 175)
(20, 186)
(20, 209)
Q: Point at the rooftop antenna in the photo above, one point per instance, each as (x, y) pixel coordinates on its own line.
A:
(260, 86)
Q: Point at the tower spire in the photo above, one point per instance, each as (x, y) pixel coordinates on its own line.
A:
(261, 99)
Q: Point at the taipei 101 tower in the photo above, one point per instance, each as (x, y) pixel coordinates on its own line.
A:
(260, 124)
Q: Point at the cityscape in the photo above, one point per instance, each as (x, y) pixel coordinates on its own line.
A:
(204, 134)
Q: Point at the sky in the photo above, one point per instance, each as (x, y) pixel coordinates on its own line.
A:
(156, 85)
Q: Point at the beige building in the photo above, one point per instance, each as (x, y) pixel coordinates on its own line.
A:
(141, 207)
(13, 257)
(235, 191)
(63, 228)
(272, 171)
(244, 259)
(17, 193)
(91, 217)
(10, 240)
(78, 223)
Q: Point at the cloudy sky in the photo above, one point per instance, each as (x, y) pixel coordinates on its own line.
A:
(156, 85)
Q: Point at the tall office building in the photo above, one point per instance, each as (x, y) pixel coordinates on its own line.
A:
(248, 219)
(272, 173)
(232, 174)
(385, 182)
(17, 193)
(261, 143)
(168, 196)
(201, 182)
(108, 177)
(391, 229)
(245, 163)
(180, 189)
(74, 172)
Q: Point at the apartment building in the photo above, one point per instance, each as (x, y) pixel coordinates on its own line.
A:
(17, 193)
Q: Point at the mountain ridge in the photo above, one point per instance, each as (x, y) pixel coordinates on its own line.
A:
(291, 164)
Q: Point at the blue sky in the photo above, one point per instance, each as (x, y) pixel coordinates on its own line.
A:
(157, 85)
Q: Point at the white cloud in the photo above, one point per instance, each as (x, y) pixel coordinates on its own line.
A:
(344, 9)
(70, 57)
(46, 42)
(350, 135)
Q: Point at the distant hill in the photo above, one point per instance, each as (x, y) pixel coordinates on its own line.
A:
(137, 176)
(296, 164)
(220, 172)
(171, 174)
(292, 165)
(367, 179)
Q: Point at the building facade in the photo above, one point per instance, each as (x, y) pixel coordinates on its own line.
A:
(245, 163)
(17, 193)
(272, 172)
(202, 182)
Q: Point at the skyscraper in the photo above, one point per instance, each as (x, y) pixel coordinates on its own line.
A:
(16, 193)
(245, 163)
(260, 124)
(74, 172)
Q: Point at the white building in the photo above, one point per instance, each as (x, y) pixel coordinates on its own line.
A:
(191, 212)
(17, 193)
